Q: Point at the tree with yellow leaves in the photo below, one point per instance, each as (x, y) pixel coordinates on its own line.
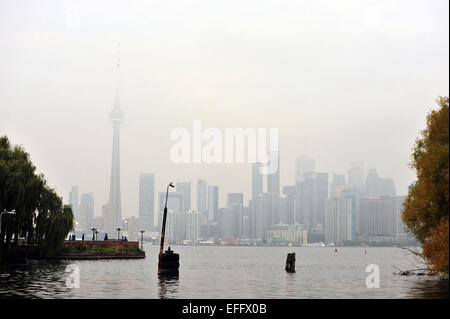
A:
(426, 209)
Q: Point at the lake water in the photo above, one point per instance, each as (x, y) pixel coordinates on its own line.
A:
(230, 272)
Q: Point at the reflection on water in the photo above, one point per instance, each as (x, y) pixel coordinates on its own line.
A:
(228, 272)
(430, 288)
(168, 286)
(38, 279)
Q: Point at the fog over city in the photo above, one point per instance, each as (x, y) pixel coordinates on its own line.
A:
(343, 81)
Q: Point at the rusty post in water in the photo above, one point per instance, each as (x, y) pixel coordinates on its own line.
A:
(290, 262)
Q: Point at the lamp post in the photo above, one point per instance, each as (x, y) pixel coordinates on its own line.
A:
(163, 232)
(118, 232)
(96, 234)
(142, 231)
(93, 233)
(13, 212)
(168, 261)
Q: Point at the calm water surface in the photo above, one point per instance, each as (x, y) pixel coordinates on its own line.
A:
(230, 272)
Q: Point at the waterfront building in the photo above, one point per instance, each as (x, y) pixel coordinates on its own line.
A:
(283, 234)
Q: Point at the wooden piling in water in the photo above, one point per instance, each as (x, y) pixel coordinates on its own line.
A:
(290, 262)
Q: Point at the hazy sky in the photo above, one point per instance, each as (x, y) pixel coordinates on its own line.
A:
(342, 80)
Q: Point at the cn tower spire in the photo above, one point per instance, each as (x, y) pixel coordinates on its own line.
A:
(117, 99)
(116, 114)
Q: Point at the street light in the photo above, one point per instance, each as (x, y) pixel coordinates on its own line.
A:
(96, 234)
(93, 233)
(142, 231)
(163, 232)
(118, 232)
(13, 212)
(168, 261)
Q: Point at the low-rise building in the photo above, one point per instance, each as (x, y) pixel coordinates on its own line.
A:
(283, 234)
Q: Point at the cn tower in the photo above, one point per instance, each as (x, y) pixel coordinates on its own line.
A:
(113, 209)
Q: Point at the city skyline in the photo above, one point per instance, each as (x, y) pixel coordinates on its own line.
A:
(329, 104)
(317, 191)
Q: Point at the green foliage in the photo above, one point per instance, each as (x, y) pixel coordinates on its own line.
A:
(40, 215)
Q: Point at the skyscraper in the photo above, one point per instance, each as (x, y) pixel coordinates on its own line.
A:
(213, 202)
(311, 195)
(261, 217)
(202, 203)
(273, 187)
(382, 216)
(257, 180)
(193, 226)
(130, 225)
(113, 209)
(147, 201)
(377, 186)
(356, 174)
(86, 212)
(338, 220)
(338, 180)
(273, 180)
(321, 195)
(175, 204)
(226, 219)
(235, 198)
(185, 188)
(303, 165)
(73, 201)
(288, 207)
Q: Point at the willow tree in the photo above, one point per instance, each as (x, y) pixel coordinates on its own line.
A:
(426, 209)
(53, 221)
(40, 216)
